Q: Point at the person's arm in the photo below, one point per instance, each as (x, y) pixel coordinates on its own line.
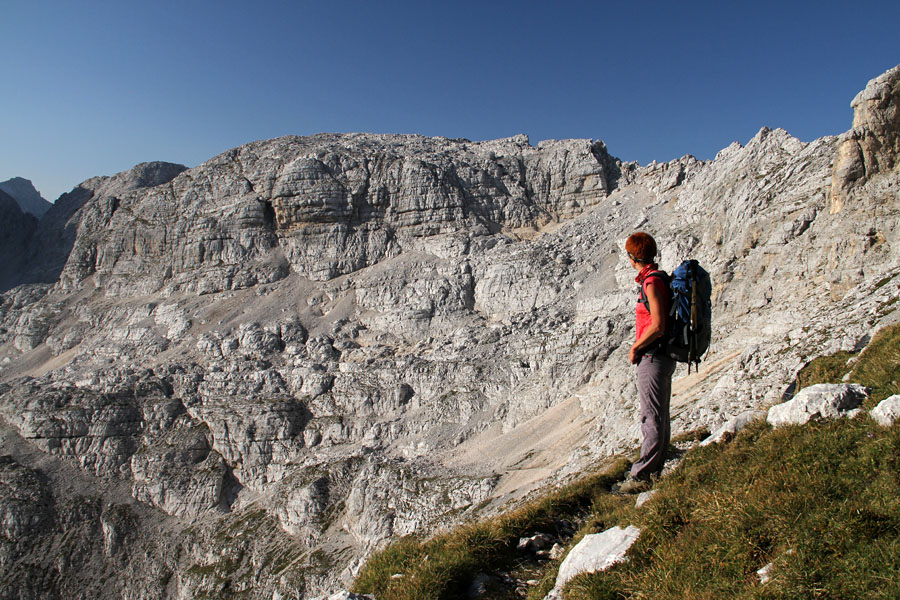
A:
(657, 325)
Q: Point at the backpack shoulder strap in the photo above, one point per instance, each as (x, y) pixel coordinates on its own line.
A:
(642, 297)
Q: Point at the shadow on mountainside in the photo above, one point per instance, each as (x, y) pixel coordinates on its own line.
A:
(37, 250)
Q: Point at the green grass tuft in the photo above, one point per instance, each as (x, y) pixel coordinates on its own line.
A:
(445, 565)
(825, 369)
(878, 366)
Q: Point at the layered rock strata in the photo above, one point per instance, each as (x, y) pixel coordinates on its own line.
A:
(326, 206)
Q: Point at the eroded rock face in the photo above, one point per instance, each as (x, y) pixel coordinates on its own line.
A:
(180, 473)
(307, 346)
(873, 145)
(25, 509)
(325, 206)
(97, 430)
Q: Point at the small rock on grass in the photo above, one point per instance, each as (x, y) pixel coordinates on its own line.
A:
(643, 497)
(887, 411)
(726, 432)
(534, 543)
(557, 551)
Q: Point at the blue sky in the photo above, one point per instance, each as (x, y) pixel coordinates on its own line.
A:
(92, 88)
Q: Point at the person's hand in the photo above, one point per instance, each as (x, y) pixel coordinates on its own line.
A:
(633, 356)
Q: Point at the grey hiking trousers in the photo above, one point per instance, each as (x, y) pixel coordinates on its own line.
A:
(654, 379)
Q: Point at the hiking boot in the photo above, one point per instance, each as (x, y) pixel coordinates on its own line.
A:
(632, 486)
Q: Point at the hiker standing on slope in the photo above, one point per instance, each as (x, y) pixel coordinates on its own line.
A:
(654, 366)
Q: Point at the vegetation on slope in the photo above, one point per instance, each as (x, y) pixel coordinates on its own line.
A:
(878, 367)
(445, 565)
(820, 502)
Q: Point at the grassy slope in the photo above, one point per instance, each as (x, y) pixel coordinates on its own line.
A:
(821, 502)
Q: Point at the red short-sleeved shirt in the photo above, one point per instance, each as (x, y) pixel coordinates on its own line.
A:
(642, 315)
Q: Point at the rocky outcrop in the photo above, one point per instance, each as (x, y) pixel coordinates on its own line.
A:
(873, 145)
(179, 472)
(818, 402)
(307, 346)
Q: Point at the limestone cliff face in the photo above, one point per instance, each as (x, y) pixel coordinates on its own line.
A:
(251, 373)
(41, 252)
(873, 145)
(326, 206)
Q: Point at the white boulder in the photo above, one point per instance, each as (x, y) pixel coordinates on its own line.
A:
(643, 497)
(816, 402)
(887, 411)
(596, 552)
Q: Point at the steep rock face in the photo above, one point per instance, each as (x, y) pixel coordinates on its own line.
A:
(327, 205)
(873, 145)
(309, 345)
(41, 255)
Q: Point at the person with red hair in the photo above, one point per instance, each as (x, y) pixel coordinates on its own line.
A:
(654, 366)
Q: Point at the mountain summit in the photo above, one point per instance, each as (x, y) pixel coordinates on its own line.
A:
(29, 199)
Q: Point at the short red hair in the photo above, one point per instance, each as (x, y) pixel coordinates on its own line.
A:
(641, 246)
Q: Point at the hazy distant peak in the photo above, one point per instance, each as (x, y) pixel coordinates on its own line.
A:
(24, 192)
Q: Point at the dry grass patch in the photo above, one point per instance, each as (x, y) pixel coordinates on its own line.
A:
(445, 565)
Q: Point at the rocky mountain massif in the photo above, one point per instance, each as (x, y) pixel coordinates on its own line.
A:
(247, 375)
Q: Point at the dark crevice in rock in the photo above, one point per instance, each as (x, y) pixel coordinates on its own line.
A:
(231, 489)
(269, 222)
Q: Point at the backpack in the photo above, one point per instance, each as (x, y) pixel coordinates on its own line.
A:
(689, 329)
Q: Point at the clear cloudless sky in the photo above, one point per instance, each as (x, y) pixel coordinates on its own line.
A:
(94, 87)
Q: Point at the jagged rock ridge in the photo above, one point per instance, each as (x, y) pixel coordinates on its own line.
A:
(306, 346)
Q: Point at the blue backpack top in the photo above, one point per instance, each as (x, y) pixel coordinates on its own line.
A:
(689, 327)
